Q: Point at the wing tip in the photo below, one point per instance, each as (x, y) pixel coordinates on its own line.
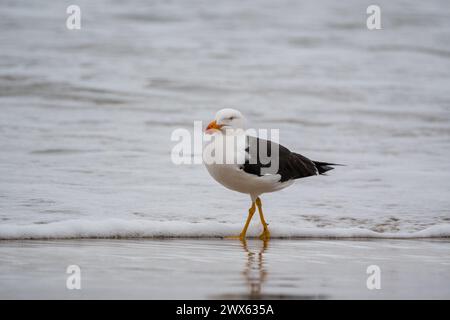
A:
(323, 167)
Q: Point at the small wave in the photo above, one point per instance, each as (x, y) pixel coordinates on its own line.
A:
(414, 49)
(58, 151)
(118, 228)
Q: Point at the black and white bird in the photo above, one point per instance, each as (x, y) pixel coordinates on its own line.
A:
(252, 175)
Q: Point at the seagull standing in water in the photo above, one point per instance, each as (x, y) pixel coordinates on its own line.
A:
(252, 175)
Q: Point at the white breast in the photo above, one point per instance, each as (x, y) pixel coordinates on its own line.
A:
(234, 178)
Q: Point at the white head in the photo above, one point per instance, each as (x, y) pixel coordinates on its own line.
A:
(227, 119)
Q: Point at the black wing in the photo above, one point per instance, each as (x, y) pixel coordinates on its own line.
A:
(290, 166)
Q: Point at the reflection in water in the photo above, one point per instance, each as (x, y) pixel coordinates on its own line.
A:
(254, 272)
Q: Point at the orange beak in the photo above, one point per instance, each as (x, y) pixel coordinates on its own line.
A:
(213, 125)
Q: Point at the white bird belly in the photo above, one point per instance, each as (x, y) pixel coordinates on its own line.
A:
(234, 178)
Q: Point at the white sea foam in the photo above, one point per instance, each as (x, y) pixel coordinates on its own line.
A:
(118, 228)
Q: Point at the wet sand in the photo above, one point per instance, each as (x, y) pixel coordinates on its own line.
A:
(225, 269)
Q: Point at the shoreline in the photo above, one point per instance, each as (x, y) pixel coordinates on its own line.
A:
(216, 269)
(331, 238)
(113, 228)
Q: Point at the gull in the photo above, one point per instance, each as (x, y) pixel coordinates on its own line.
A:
(254, 175)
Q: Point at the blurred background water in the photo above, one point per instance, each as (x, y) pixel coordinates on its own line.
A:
(87, 115)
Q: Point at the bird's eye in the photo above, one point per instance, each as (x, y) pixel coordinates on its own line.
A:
(230, 118)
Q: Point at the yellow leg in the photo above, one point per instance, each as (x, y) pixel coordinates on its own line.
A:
(241, 236)
(265, 235)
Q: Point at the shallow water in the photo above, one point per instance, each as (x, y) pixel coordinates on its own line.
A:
(86, 116)
(224, 269)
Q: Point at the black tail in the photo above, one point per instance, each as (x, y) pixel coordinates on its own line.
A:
(323, 167)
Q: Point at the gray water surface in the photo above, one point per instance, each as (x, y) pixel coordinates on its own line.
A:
(224, 269)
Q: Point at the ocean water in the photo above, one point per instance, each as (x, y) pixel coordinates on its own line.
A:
(217, 269)
(87, 116)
